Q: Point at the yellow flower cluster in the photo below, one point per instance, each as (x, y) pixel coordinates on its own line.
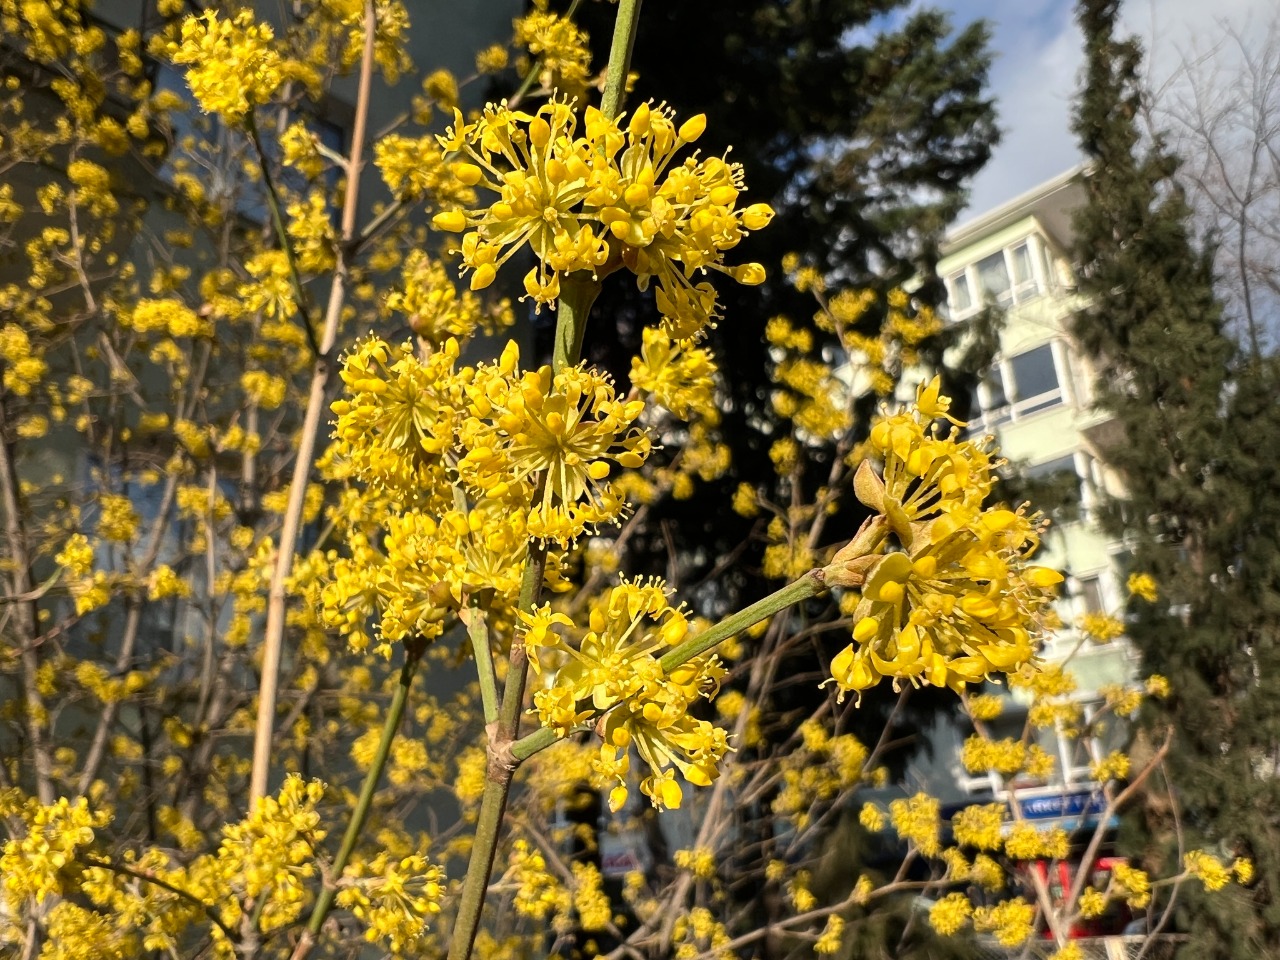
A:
(1208, 869)
(534, 450)
(1114, 766)
(547, 443)
(233, 66)
(916, 820)
(1133, 883)
(699, 933)
(701, 862)
(394, 897)
(1093, 903)
(832, 935)
(959, 601)
(559, 46)
(538, 894)
(1100, 627)
(1143, 586)
(950, 914)
(272, 853)
(42, 862)
(677, 375)
(808, 392)
(599, 200)
(615, 668)
(1012, 922)
(824, 768)
(1026, 842)
(980, 826)
(434, 308)
(1006, 757)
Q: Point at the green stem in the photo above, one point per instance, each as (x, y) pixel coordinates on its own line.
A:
(578, 291)
(624, 38)
(810, 585)
(413, 656)
(478, 631)
(277, 217)
(577, 294)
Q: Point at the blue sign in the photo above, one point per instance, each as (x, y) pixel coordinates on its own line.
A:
(1078, 804)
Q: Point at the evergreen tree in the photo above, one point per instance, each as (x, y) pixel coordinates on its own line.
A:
(1196, 442)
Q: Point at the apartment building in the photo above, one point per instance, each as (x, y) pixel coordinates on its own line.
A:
(1036, 401)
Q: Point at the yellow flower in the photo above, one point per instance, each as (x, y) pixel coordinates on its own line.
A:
(1012, 921)
(1093, 903)
(829, 940)
(1114, 766)
(871, 817)
(118, 521)
(980, 826)
(394, 897)
(602, 196)
(43, 861)
(678, 375)
(233, 66)
(548, 443)
(1243, 870)
(615, 668)
(949, 915)
(1025, 842)
(1101, 628)
(916, 820)
(1143, 586)
(959, 601)
(1133, 883)
(1211, 871)
(558, 45)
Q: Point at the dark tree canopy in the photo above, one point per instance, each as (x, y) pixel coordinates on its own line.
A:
(860, 124)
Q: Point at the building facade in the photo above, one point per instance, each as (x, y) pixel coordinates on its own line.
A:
(1035, 399)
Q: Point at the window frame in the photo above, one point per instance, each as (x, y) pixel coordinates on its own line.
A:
(1015, 410)
(1018, 291)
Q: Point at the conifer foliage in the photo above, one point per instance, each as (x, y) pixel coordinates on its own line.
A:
(1193, 441)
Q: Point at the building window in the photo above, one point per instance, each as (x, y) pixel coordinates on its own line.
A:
(1022, 385)
(1008, 276)
(1092, 599)
(1035, 380)
(961, 301)
(993, 277)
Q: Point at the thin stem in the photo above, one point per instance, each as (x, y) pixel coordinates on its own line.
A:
(578, 291)
(413, 656)
(163, 885)
(478, 632)
(321, 373)
(27, 615)
(277, 217)
(810, 585)
(624, 38)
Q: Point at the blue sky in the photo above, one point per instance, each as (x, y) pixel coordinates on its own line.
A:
(1036, 72)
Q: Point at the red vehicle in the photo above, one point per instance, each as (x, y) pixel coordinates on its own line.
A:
(1057, 876)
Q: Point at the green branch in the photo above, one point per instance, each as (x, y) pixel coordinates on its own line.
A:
(624, 38)
(478, 632)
